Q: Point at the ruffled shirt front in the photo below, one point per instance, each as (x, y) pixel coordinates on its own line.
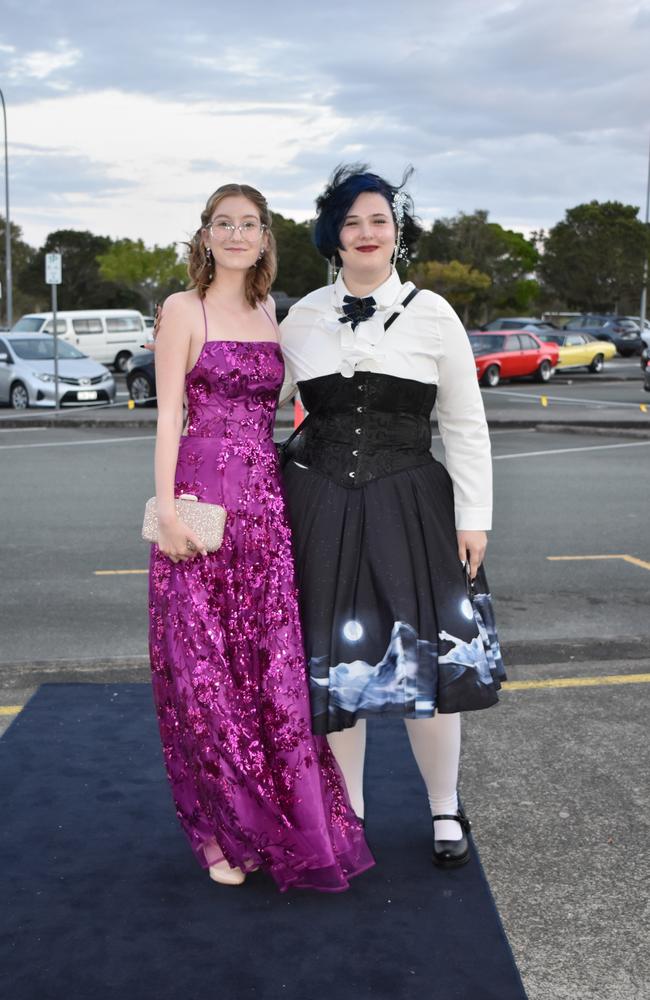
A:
(426, 342)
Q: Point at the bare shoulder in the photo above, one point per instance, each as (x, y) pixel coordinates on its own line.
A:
(269, 304)
(178, 317)
(181, 304)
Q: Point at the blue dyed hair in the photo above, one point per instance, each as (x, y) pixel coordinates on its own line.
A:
(343, 188)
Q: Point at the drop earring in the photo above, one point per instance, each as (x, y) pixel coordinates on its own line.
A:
(209, 260)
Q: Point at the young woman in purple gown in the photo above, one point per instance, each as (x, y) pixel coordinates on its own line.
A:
(253, 787)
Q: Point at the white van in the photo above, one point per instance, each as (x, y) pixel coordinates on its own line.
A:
(111, 336)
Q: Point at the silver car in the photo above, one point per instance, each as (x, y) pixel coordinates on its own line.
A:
(27, 373)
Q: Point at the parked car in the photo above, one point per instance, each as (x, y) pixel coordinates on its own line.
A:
(519, 323)
(27, 373)
(644, 329)
(645, 357)
(512, 355)
(618, 330)
(581, 350)
(141, 378)
(283, 303)
(111, 336)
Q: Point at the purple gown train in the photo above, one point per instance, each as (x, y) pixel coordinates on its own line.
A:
(249, 780)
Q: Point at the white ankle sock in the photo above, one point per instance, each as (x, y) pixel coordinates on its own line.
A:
(436, 747)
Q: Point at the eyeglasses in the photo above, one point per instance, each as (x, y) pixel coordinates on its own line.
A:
(250, 230)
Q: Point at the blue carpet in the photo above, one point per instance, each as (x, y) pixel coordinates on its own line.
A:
(102, 898)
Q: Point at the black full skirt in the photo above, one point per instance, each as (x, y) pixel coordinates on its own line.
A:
(390, 627)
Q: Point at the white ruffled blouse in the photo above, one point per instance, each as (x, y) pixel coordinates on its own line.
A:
(428, 344)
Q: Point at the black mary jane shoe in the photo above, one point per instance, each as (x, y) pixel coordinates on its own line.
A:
(452, 853)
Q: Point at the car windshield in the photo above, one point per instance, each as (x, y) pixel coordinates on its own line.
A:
(42, 349)
(29, 324)
(549, 337)
(486, 343)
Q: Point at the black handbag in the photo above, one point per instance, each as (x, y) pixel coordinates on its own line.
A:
(287, 448)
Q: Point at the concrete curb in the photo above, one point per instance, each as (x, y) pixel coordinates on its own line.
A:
(599, 426)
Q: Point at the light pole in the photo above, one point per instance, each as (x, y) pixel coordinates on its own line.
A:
(644, 289)
(8, 289)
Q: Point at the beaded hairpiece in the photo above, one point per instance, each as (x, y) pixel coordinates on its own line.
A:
(399, 206)
(400, 201)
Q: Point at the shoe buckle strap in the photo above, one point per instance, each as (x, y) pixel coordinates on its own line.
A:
(459, 817)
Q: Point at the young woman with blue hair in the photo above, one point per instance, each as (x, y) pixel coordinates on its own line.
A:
(389, 542)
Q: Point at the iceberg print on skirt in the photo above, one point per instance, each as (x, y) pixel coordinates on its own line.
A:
(416, 677)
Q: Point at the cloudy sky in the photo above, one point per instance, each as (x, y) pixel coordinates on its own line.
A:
(124, 116)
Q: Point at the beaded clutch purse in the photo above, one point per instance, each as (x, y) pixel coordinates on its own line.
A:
(207, 520)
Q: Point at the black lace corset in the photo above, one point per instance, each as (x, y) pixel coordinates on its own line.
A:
(366, 426)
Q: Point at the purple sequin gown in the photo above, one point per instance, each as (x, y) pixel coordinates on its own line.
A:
(250, 781)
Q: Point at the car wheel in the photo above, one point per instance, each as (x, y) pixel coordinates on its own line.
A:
(491, 376)
(544, 371)
(597, 364)
(18, 396)
(140, 388)
(121, 361)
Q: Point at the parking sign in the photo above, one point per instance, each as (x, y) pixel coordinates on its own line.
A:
(53, 268)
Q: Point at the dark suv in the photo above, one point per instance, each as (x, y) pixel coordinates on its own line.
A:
(624, 333)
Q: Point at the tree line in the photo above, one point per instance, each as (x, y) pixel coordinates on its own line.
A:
(591, 261)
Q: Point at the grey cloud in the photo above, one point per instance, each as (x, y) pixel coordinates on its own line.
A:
(524, 107)
(46, 177)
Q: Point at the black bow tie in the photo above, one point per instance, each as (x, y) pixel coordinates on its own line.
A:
(357, 310)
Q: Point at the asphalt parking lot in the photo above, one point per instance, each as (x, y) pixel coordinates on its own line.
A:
(554, 778)
(564, 506)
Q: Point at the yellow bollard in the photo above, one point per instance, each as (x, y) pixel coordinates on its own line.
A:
(130, 405)
(543, 400)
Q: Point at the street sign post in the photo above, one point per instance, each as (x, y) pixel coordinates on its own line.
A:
(53, 278)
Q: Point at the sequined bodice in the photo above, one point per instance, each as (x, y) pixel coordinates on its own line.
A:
(232, 390)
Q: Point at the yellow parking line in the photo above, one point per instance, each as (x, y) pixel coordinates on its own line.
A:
(567, 682)
(637, 562)
(558, 682)
(119, 572)
(630, 559)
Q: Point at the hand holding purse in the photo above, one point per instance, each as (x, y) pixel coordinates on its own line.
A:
(206, 520)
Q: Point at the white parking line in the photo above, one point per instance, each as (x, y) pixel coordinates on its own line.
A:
(510, 430)
(533, 397)
(565, 451)
(69, 444)
(13, 430)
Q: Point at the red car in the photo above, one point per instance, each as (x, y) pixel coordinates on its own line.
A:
(512, 355)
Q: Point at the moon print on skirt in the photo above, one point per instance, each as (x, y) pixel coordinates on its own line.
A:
(411, 670)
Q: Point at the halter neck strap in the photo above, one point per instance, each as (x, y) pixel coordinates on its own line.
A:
(205, 322)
